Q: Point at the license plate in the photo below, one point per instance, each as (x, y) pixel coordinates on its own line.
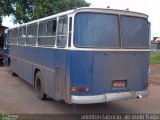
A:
(119, 84)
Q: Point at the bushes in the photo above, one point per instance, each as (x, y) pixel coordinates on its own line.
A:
(155, 58)
(4, 116)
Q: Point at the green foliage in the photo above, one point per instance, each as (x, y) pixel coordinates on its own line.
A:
(28, 10)
(4, 116)
(6, 8)
(155, 58)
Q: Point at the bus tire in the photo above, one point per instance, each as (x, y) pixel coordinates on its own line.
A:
(11, 71)
(39, 86)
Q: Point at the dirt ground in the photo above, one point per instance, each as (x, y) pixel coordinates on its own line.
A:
(18, 97)
(154, 76)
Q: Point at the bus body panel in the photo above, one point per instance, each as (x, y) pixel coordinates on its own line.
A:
(5, 50)
(49, 83)
(110, 66)
(5, 61)
(99, 69)
(60, 74)
(80, 67)
(28, 72)
(51, 62)
(26, 59)
(33, 55)
(65, 69)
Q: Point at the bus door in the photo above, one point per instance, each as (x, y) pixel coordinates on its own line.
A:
(5, 50)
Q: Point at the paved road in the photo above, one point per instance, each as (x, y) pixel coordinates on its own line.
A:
(16, 96)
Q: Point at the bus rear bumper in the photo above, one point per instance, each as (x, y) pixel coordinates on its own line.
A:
(109, 97)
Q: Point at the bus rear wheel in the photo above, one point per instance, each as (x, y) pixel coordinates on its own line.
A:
(39, 86)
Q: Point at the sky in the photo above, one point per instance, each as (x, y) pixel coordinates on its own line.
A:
(149, 7)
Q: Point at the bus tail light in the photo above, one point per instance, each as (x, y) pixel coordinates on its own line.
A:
(74, 89)
(87, 89)
(80, 89)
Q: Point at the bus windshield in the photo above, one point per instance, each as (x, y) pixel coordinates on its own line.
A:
(98, 30)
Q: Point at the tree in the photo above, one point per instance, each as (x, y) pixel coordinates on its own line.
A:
(28, 10)
(6, 8)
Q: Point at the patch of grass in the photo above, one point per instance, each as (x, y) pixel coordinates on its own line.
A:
(4, 116)
(155, 58)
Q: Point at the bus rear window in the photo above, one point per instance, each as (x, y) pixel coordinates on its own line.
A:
(135, 32)
(96, 30)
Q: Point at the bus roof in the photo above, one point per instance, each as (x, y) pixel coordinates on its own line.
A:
(111, 11)
(87, 9)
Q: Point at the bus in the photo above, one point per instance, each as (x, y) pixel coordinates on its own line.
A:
(82, 56)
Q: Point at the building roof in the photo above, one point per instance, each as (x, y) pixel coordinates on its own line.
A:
(3, 27)
(156, 41)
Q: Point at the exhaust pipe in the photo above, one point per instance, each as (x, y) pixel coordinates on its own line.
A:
(139, 96)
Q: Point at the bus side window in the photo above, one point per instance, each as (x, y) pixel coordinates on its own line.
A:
(22, 35)
(62, 32)
(42, 29)
(8, 41)
(47, 33)
(51, 27)
(14, 37)
(31, 34)
(70, 32)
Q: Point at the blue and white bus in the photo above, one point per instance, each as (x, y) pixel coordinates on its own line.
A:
(82, 56)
